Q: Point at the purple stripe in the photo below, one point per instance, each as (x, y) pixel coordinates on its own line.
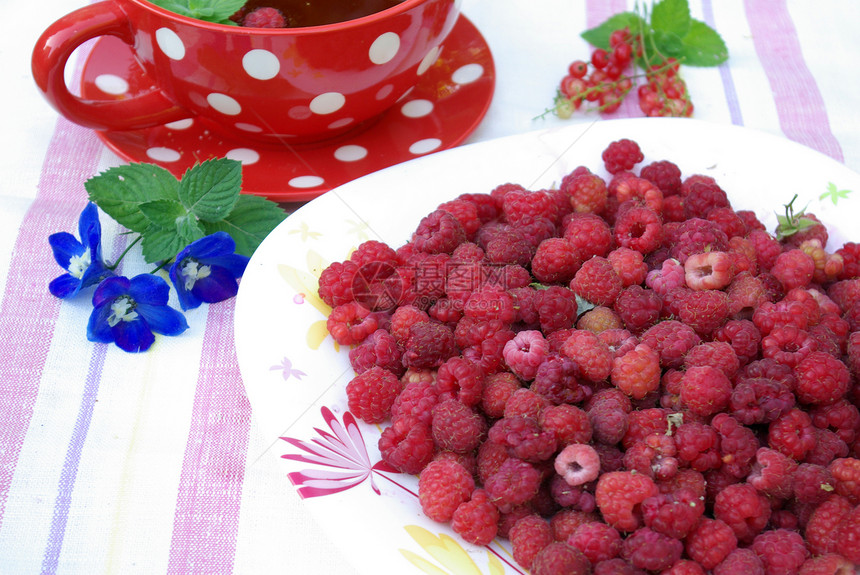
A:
(29, 310)
(73, 458)
(206, 520)
(725, 72)
(800, 107)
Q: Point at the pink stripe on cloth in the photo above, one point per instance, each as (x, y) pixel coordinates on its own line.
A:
(800, 107)
(206, 521)
(29, 310)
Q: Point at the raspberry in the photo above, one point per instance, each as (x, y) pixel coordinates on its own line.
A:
(456, 427)
(701, 197)
(716, 354)
(559, 558)
(741, 560)
(380, 348)
(743, 336)
(442, 486)
(415, 402)
(793, 268)
(729, 221)
(787, 345)
(597, 281)
(525, 353)
(841, 416)
(335, 283)
(490, 303)
(597, 541)
(673, 514)
(371, 394)
(497, 389)
(265, 17)
(528, 536)
(587, 192)
(629, 265)
(669, 276)
(465, 212)
(403, 318)
(743, 509)
(438, 232)
(705, 390)
(351, 323)
(568, 423)
(672, 340)
(631, 190)
(518, 205)
(829, 446)
(780, 550)
(821, 379)
(639, 228)
(694, 236)
(710, 542)
(429, 345)
(566, 521)
(812, 483)
(461, 379)
(792, 434)
(599, 319)
(476, 520)
(698, 445)
(555, 261)
(643, 422)
(638, 308)
(705, 311)
(738, 445)
(590, 353)
(406, 445)
(769, 369)
(637, 372)
(589, 234)
(822, 529)
(524, 438)
(525, 403)
(846, 474)
(709, 270)
(665, 175)
(609, 423)
(616, 566)
(557, 309)
(650, 550)
(848, 538)
(654, 456)
(619, 495)
(772, 473)
(621, 155)
(578, 464)
(829, 564)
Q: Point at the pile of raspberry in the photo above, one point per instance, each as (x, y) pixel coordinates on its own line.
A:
(622, 374)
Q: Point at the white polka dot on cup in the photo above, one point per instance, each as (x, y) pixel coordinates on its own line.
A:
(224, 104)
(327, 103)
(428, 60)
(306, 182)
(180, 124)
(261, 64)
(467, 74)
(350, 153)
(245, 155)
(384, 48)
(417, 108)
(161, 154)
(170, 43)
(111, 84)
(425, 146)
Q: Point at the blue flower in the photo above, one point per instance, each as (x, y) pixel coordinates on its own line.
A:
(81, 259)
(127, 311)
(206, 270)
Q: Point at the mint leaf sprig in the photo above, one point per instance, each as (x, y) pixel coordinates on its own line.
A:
(170, 213)
(217, 11)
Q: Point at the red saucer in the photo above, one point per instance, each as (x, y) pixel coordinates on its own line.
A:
(439, 113)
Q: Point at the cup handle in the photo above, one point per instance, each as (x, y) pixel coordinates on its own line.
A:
(56, 45)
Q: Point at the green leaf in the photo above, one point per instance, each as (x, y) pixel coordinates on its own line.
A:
(163, 213)
(599, 35)
(209, 10)
(672, 17)
(251, 220)
(161, 244)
(703, 46)
(189, 228)
(120, 191)
(668, 44)
(211, 189)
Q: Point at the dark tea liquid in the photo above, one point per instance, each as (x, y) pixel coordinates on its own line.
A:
(301, 13)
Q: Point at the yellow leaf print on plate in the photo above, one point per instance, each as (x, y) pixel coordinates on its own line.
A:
(448, 552)
(306, 283)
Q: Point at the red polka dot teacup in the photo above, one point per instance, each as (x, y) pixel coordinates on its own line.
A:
(278, 85)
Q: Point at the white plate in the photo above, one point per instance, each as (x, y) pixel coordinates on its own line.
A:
(295, 377)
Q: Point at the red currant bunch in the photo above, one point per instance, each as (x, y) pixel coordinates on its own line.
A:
(665, 93)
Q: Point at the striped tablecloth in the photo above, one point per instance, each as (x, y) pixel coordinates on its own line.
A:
(152, 463)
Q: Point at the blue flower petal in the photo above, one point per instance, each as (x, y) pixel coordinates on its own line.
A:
(234, 263)
(133, 336)
(64, 286)
(149, 289)
(110, 289)
(217, 286)
(95, 274)
(187, 300)
(98, 329)
(213, 245)
(162, 319)
(65, 246)
(88, 223)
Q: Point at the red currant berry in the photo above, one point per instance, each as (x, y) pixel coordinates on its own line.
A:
(599, 58)
(578, 69)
